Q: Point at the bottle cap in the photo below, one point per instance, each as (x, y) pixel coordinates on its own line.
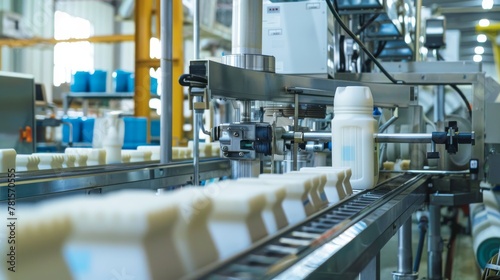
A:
(353, 98)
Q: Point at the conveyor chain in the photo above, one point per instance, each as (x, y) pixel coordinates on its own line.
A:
(281, 251)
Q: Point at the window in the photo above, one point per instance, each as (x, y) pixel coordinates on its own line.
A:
(71, 57)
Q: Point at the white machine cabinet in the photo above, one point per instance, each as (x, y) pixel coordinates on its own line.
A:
(299, 36)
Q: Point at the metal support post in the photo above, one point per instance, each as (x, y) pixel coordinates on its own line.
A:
(196, 29)
(371, 270)
(418, 29)
(434, 244)
(196, 145)
(247, 27)
(439, 115)
(296, 128)
(405, 255)
(246, 111)
(166, 78)
(196, 113)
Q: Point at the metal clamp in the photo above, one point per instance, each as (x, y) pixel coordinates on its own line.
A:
(298, 137)
(197, 105)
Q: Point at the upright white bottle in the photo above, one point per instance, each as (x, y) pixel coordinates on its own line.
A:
(353, 144)
(111, 142)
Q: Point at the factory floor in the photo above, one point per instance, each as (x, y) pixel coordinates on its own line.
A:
(464, 263)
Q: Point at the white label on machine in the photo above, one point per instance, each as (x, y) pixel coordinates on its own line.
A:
(275, 32)
(311, 6)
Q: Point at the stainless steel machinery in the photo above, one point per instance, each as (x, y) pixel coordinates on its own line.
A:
(284, 117)
(17, 110)
(306, 242)
(344, 240)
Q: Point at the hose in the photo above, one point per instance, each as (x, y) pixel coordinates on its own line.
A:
(422, 226)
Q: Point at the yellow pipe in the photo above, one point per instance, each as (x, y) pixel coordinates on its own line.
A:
(157, 17)
(492, 31)
(154, 63)
(496, 54)
(16, 43)
(177, 71)
(143, 10)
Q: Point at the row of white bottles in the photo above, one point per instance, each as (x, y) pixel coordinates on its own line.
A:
(76, 157)
(79, 157)
(137, 233)
(206, 150)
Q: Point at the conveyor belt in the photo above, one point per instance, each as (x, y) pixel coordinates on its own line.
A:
(103, 178)
(304, 249)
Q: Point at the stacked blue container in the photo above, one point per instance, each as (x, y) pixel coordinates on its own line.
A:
(153, 87)
(135, 132)
(121, 80)
(76, 124)
(82, 81)
(98, 81)
(87, 129)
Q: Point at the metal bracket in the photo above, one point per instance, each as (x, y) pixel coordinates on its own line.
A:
(195, 105)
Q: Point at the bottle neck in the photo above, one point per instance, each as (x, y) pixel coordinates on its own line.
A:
(356, 111)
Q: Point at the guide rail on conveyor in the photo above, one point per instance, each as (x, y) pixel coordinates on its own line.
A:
(338, 241)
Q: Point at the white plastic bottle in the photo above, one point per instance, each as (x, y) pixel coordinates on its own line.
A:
(111, 142)
(353, 144)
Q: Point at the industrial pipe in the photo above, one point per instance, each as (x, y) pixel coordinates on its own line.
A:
(166, 82)
(246, 30)
(434, 244)
(403, 137)
(197, 114)
(405, 269)
(379, 137)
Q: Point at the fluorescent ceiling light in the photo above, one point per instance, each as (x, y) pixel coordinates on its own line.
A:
(477, 58)
(487, 4)
(481, 38)
(484, 22)
(479, 50)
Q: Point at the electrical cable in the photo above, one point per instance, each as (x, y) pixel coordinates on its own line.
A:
(464, 99)
(354, 58)
(342, 64)
(429, 122)
(455, 228)
(422, 226)
(190, 80)
(361, 45)
(203, 129)
(460, 92)
(380, 48)
(364, 26)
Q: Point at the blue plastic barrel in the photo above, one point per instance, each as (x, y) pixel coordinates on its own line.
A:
(131, 83)
(153, 87)
(80, 81)
(135, 130)
(87, 129)
(77, 129)
(120, 80)
(98, 81)
(155, 128)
